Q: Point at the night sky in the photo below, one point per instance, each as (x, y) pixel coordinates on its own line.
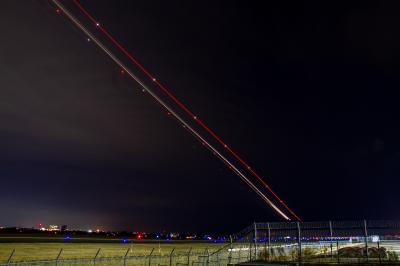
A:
(306, 92)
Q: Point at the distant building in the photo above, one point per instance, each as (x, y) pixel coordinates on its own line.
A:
(174, 235)
(64, 228)
(53, 228)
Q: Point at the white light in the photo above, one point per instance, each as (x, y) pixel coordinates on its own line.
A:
(97, 24)
(375, 239)
(154, 79)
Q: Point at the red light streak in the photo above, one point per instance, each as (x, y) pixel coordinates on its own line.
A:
(180, 104)
(185, 125)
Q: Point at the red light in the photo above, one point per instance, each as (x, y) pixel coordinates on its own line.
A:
(58, 11)
(122, 72)
(139, 237)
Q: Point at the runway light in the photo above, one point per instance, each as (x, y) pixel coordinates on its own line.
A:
(97, 24)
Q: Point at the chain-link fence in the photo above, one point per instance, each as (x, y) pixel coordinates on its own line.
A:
(332, 242)
(171, 258)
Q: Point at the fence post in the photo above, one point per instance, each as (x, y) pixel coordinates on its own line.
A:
(265, 249)
(231, 249)
(299, 241)
(58, 256)
(208, 256)
(255, 241)
(10, 257)
(338, 255)
(126, 254)
(366, 239)
(95, 257)
(379, 253)
(331, 240)
(269, 241)
(249, 247)
(150, 255)
(170, 256)
(188, 256)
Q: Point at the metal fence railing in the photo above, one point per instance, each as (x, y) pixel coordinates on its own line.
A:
(172, 258)
(332, 242)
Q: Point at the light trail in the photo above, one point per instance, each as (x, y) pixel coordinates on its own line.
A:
(179, 103)
(169, 109)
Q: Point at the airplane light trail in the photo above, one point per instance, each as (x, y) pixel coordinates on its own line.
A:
(179, 103)
(175, 115)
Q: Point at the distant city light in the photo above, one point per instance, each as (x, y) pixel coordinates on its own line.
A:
(53, 228)
(207, 237)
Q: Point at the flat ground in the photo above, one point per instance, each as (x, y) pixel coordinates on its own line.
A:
(47, 251)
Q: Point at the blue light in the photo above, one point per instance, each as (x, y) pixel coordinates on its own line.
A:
(67, 237)
(124, 240)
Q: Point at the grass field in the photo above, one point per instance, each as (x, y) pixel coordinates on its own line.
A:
(47, 251)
